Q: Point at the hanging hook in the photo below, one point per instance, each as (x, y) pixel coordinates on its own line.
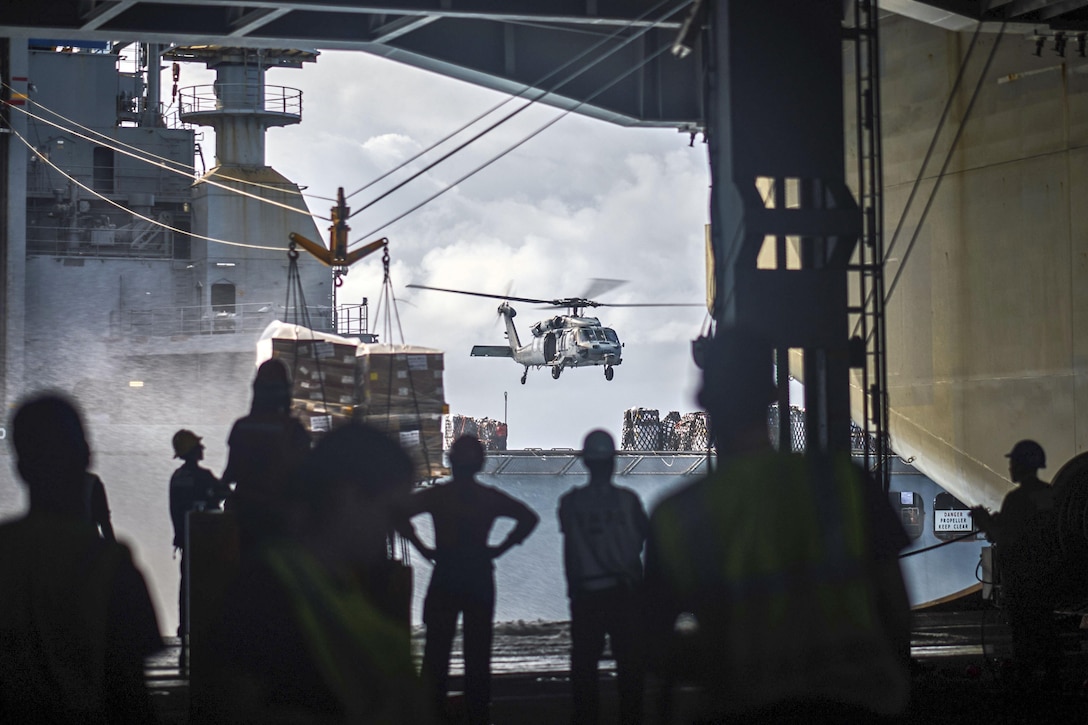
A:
(292, 252)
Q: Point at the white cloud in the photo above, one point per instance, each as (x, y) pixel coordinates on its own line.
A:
(389, 148)
(582, 199)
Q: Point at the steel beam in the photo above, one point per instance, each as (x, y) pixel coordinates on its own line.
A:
(775, 116)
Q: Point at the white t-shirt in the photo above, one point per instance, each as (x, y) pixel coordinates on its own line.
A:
(604, 528)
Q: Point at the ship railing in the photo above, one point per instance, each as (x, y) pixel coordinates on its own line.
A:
(113, 183)
(249, 317)
(101, 242)
(246, 97)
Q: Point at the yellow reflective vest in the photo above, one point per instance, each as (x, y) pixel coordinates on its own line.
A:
(363, 656)
(771, 557)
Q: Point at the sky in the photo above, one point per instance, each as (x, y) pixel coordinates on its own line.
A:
(584, 199)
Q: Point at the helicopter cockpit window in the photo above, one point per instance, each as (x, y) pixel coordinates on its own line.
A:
(611, 336)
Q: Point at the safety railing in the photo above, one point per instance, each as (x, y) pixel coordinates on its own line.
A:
(174, 181)
(228, 97)
(250, 317)
(152, 242)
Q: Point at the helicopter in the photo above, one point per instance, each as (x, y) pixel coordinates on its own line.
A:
(562, 341)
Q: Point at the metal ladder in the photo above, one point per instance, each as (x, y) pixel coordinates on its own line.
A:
(870, 334)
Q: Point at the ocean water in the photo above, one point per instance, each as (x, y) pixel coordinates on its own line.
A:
(531, 601)
(530, 586)
(529, 580)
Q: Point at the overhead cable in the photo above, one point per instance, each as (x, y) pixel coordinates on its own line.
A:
(532, 101)
(151, 155)
(925, 160)
(501, 154)
(944, 166)
(165, 167)
(148, 219)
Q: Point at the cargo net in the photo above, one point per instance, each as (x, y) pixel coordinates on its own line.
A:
(860, 441)
(492, 433)
(797, 428)
(644, 430)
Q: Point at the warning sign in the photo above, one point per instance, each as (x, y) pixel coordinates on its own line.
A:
(952, 520)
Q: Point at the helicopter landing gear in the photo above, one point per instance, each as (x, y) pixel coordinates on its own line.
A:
(608, 372)
(524, 375)
(555, 372)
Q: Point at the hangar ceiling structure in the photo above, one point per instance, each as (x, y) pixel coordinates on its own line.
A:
(501, 44)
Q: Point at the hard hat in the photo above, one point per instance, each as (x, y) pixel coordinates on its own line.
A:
(184, 442)
(467, 452)
(1028, 453)
(598, 446)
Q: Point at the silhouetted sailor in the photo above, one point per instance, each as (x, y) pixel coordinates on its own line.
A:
(266, 447)
(76, 621)
(192, 488)
(604, 528)
(779, 569)
(301, 638)
(98, 506)
(463, 580)
(1017, 533)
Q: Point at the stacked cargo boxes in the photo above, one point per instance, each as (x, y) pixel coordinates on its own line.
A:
(399, 389)
(396, 388)
(323, 373)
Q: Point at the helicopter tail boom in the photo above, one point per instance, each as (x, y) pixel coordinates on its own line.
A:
(491, 351)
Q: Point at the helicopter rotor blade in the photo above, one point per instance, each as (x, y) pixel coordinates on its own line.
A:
(600, 285)
(530, 300)
(647, 304)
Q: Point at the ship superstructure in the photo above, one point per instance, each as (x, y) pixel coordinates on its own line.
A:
(145, 286)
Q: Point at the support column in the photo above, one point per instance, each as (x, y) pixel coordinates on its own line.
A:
(775, 128)
(13, 224)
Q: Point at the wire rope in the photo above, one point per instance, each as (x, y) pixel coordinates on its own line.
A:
(524, 90)
(929, 154)
(968, 535)
(165, 167)
(148, 219)
(77, 124)
(501, 154)
(944, 166)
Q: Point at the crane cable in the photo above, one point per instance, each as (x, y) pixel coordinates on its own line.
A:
(525, 89)
(501, 154)
(944, 166)
(387, 312)
(165, 167)
(301, 313)
(508, 117)
(114, 143)
(143, 217)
